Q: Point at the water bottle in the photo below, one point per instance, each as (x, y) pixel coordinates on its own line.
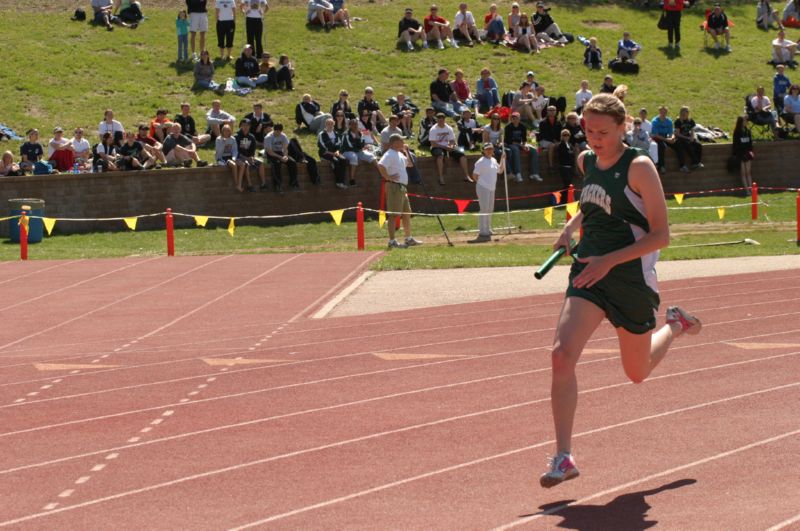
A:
(75, 168)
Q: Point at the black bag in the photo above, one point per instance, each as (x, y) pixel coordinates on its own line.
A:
(508, 97)
(663, 23)
(569, 36)
(80, 15)
(623, 67)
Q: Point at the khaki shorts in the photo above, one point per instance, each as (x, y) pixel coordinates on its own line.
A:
(396, 198)
(198, 22)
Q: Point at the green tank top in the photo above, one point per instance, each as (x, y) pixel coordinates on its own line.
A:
(613, 214)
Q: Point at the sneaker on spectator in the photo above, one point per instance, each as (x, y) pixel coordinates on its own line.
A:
(440, 44)
(264, 188)
(518, 178)
(411, 241)
(187, 163)
(677, 46)
(689, 323)
(425, 44)
(278, 188)
(698, 166)
(535, 177)
(453, 43)
(684, 169)
(394, 244)
(562, 468)
(341, 185)
(728, 49)
(409, 46)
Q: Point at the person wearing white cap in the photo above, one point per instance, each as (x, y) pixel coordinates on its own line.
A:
(485, 175)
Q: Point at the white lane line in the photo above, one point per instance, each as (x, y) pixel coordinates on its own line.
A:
(74, 372)
(83, 479)
(48, 386)
(19, 400)
(108, 305)
(32, 393)
(785, 523)
(211, 379)
(156, 422)
(134, 439)
(62, 264)
(670, 471)
(336, 300)
(202, 386)
(193, 393)
(146, 429)
(98, 468)
(50, 506)
(332, 379)
(112, 456)
(390, 396)
(183, 400)
(393, 484)
(66, 494)
(168, 413)
(57, 381)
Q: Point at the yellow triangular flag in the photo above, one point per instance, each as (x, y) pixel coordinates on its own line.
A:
(231, 227)
(721, 213)
(201, 221)
(679, 198)
(548, 215)
(381, 218)
(337, 216)
(131, 223)
(572, 208)
(24, 222)
(49, 223)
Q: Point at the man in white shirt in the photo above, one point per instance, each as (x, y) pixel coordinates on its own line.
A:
(583, 96)
(81, 147)
(485, 175)
(443, 144)
(783, 50)
(393, 169)
(217, 118)
(110, 125)
(465, 28)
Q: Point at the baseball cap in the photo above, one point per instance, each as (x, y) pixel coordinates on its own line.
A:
(58, 130)
(488, 145)
(440, 115)
(531, 73)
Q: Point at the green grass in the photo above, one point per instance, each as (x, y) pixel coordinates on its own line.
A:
(529, 242)
(66, 73)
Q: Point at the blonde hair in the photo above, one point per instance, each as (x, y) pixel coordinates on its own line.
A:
(621, 91)
(607, 105)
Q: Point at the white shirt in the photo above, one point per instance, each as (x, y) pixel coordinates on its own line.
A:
(52, 145)
(460, 17)
(395, 164)
(227, 9)
(80, 145)
(441, 136)
(581, 97)
(759, 105)
(114, 127)
(257, 12)
(486, 168)
(647, 127)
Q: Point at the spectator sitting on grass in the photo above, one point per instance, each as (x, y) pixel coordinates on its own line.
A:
(160, 125)
(308, 113)
(409, 30)
(373, 107)
(204, 74)
(60, 152)
(354, 149)
(110, 125)
(544, 23)
(493, 25)
(461, 90)
(718, 25)
(766, 16)
(470, 132)
(248, 73)
(438, 28)
(216, 118)
(246, 143)
(784, 50)
(189, 127)
(443, 97)
(133, 156)
(443, 144)
(31, 151)
(81, 148)
(608, 86)
(226, 153)
(103, 15)
(106, 154)
(285, 73)
(404, 110)
(260, 122)
(320, 13)
(128, 11)
(9, 168)
(343, 104)
(486, 91)
(628, 49)
(592, 55)
(464, 26)
(791, 14)
(265, 68)
(150, 144)
(341, 16)
(179, 149)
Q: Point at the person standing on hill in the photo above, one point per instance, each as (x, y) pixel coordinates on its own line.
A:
(674, 9)
(254, 11)
(226, 27)
(198, 23)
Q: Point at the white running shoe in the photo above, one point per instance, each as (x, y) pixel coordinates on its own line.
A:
(411, 241)
(440, 45)
(562, 468)
(393, 244)
(409, 46)
(689, 323)
(453, 44)
(535, 177)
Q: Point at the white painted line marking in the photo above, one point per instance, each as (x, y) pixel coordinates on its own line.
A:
(67, 493)
(184, 400)
(157, 422)
(193, 393)
(117, 349)
(48, 386)
(104, 356)
(98, 468)
(109, 457)
(334, 302)
(211, 379)
(146, 429)
(126, 345)
(224, 370)
(18, 400)
(33, 393)
(57, 381)
(785, 523)
(251, 348)
(168, 413)
(258, 345)
(202, 386)
(74, 372)
(50, 506)
(134, 439)
(83, 479)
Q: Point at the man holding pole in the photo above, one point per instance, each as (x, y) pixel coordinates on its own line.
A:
(393, 169)
(485, 176)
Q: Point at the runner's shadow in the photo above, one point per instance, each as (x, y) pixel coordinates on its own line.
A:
(627, 512)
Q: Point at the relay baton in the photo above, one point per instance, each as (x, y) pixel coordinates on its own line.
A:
(550, 262)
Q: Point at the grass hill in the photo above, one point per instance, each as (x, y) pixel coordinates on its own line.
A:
(59, 72)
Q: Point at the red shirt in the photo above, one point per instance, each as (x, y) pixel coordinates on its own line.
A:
(431, 18)
(673, 5)
(461, 89)
(157, 123)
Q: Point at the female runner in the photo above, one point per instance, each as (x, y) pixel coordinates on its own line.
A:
(624, 221)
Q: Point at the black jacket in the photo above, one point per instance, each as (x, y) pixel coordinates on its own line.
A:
(326, 145)
(311, 108)
(247, 66)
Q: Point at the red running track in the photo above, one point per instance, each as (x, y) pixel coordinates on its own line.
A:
(197, 393)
